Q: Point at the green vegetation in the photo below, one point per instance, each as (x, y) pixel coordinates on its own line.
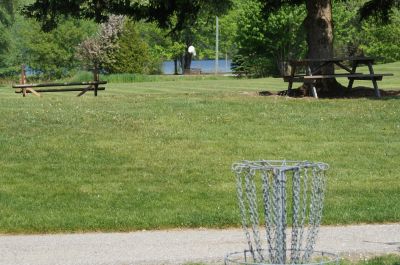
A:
(158, 154)
(133, 55)
(265, 41)
(380, 260)
(52, 53)
(257, 34)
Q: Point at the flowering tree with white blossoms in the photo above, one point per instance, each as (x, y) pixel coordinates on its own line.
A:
(97, 52)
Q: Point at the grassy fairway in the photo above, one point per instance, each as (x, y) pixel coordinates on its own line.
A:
(158, 154)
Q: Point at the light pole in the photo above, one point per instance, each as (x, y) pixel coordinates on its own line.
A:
(216, 45)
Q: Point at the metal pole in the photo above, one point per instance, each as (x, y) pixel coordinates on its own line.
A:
(226, 62)
(216, 45)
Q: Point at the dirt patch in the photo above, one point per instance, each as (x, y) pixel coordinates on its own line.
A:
(365, 92)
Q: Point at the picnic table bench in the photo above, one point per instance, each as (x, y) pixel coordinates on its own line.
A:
(192, 71)
(312, 68)
(36, 89)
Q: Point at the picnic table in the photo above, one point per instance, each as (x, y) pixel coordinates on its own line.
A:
(312, 68)
(36, 89)
(83, 87)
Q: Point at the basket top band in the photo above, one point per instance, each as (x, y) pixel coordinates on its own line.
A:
(280, 165)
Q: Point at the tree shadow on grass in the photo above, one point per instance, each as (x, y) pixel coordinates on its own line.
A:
(357, 92)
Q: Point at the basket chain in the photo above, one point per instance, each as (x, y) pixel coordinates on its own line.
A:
(274, 183)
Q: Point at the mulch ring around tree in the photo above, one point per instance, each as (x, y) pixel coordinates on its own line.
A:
(357, 92)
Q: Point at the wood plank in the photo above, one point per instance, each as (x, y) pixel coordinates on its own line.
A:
(338, 59)
(310, 61)
(86, 89)
(293, 79)
(344, 67)
(60, 90)
(59, 84)
(301, 77)
(352, 76)
(31, 90)
(378, 78)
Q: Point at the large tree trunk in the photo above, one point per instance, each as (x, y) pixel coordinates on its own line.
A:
(175, 66)
(319, 27)
(187, 61)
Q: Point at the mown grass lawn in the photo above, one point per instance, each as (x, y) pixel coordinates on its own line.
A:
(155, 155)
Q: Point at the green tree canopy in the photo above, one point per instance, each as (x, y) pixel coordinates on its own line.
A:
(174, 14)
(379, 8)
(52, 54)
(319, 30)
(6, 14)
(133, 53)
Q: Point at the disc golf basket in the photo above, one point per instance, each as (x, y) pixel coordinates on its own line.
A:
(270, 193)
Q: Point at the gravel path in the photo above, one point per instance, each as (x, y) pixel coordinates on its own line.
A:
(178, 246)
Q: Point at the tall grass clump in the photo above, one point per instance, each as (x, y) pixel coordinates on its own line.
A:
(83, 76)
(129, 78)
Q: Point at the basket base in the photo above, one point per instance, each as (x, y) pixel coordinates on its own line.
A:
(247, 258)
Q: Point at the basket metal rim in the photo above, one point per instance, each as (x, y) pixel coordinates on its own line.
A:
(282, 165)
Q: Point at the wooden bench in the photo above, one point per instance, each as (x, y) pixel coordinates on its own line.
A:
(313, 67)
(36, 89)
(59, 87)
(312, 78)
(192, 71)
